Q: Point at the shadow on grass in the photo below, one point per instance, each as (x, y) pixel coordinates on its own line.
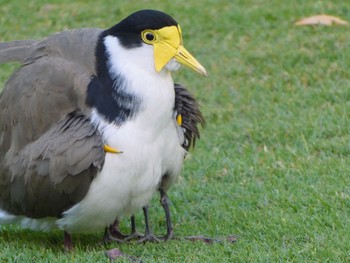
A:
(19, 238)
(54, 240)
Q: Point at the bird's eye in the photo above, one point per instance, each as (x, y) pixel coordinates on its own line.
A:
(148, 36)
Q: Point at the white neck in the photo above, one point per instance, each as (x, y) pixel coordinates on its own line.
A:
(154, 89)
(126, 60)
(136, 65)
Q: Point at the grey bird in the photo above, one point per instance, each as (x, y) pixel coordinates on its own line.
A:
(88, 130)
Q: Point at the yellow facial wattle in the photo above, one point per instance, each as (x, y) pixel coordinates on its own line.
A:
(167, 43)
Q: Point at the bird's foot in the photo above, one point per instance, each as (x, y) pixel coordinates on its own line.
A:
(167, 237)
(134, 236)
(150, 237)
(113, 239)
(113, 235)
(117, 234)
(115, 253)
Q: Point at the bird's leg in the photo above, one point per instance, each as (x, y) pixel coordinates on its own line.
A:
(68, 244)
(134, 234)
(149, 236)
(115, 253)
(113, 232)
(133, 224)
(164, 200)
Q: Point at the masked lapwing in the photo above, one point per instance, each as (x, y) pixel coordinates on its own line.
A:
(189, 118)
(88, 129)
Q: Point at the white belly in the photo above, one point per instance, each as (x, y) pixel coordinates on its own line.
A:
(150, 147)
(128, 180)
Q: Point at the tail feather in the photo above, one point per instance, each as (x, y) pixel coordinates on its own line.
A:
(44, 224)
(7, 219)
(15, 50)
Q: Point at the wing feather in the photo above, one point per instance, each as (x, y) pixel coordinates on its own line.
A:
(48, 148)
(55, 167)
(192, 117)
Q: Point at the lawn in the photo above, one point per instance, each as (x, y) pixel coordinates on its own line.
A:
(272, 167)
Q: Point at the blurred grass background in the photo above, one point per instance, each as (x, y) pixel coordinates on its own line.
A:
(272, 166)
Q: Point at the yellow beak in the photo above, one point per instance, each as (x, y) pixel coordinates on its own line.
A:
(168, 45)
(184, 57)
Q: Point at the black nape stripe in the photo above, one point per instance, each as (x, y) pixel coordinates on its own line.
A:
(109, 95)
(111, 100)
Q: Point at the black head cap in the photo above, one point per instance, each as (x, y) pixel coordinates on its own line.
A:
(129, 29)
(146, 19)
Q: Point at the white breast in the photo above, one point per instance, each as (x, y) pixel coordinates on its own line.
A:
(126, 182)
(150, 147)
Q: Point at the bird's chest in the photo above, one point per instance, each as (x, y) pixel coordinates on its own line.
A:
(150, 149)
(142, 163)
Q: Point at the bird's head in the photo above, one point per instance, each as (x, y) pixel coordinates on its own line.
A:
(162, 32)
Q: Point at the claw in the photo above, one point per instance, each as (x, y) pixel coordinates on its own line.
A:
(149, 238)
(179, 119)
(112, 233)
(109, 149)
(115, 237)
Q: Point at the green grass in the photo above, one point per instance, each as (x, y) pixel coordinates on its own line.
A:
(273, 164)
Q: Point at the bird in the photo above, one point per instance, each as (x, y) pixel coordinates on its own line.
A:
(88, 131)
(188, 117)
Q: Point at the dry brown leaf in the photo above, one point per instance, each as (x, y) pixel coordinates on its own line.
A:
(321, 20)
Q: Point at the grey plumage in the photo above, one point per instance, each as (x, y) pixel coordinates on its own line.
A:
(48, 149)
(15, 50)
(53, 70)
(58, 167)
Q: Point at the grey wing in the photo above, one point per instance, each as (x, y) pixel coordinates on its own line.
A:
(16, 50)
(51, 83)
(54, 172)
(187, 106)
